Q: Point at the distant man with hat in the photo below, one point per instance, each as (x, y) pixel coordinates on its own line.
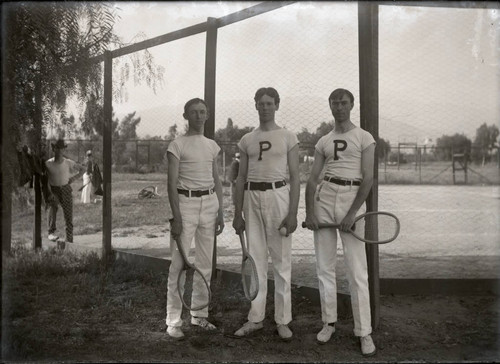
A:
(61, 172)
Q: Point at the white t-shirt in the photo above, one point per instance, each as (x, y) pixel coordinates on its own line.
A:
(267, 153)
(342, 152)
(196, 154)
(60, 173)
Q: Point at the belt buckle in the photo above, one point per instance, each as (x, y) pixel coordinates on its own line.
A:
(262, 186)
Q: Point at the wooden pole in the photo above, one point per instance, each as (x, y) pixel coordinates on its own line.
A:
(368, 77)
(107, 141)
(210, 80)
(37, 227)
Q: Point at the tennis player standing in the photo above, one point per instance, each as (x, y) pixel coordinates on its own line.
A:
(195, 196)
(347, 153)
(268, 155)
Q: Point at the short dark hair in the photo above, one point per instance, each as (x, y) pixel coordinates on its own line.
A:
(269, 91)
(339, 93)
(193, 102)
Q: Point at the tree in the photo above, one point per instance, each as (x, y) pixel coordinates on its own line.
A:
(48, 57)
(486, 139)
(128, 126)
(231, 133)
(172, 132)
(384, 148)
(447, 145)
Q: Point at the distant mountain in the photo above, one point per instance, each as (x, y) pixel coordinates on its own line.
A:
(300, 112)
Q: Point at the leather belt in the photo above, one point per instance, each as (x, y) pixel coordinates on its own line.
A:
(342, 182)
(264, 186)
(191, 193)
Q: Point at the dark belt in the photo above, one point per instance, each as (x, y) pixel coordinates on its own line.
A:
(191, 193)
(342, 182)
(264, 186)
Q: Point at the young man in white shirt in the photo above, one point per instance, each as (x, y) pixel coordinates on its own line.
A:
(195, 196)
(268, 155)
(347, 154)
(60, 174)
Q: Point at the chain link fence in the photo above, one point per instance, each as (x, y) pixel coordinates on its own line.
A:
(302, 53)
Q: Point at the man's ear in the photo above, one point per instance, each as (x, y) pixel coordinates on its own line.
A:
(277, 107)
(184, 115)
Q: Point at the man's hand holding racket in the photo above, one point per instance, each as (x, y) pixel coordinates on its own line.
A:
(311, 222)
(289, 223)
(219, 222)
(239, 224)
(176, 228)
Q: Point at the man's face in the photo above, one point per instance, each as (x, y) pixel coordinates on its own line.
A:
(57, 151)
(341, 108)
(266, 108)
(196, 116)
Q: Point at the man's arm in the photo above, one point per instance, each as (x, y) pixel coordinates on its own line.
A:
(367, 161)
(239, 222)
(290, 221)
(219, 226)
(173, 195)
(312, 184)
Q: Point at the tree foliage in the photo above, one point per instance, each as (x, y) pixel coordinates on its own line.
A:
(231, 133)
(447, 145)
(53, 46)
(485, 141)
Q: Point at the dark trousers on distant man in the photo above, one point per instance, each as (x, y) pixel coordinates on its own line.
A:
(64, 197)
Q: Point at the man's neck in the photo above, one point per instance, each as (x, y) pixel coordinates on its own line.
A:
(268, 125)
(343, 126)
(195, 132)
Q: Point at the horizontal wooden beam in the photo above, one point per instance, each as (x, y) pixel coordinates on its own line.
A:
(169, 37)
(251, 12)
(445, 4)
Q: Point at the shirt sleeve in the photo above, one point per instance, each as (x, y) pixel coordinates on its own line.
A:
(175, 149)
(319, 147)
(216, 149)
(292, 140)
(242, 144)
(366, 140)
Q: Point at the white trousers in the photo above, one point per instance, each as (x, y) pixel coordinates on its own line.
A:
(331, 204)
(87, 190)
(264, 211)
(198, 221)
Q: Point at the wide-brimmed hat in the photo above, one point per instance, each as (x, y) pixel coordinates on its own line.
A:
(60, 144)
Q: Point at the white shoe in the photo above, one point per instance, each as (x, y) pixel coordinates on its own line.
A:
(175, 332)
(284, 332)
(248, 328)
(53, 237)
(367, 346)
(202, 322)
(326, 333)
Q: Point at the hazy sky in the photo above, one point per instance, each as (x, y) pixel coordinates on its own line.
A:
(439, 70)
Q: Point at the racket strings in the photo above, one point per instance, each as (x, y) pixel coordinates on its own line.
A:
(249, 278)
(381, 227)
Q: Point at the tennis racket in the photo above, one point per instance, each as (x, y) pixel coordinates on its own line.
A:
(191, 280)
(249, 276)
(384, 225)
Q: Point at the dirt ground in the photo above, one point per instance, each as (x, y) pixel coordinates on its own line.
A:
(84, 316)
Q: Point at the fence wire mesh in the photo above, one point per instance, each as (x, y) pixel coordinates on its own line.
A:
(434, 173)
